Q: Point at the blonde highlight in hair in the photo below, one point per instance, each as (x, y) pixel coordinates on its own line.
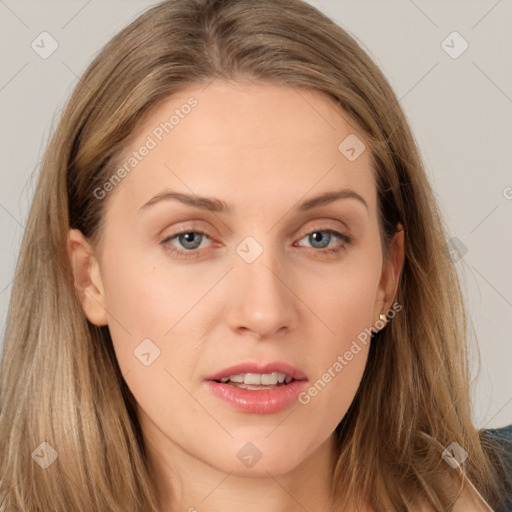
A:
(59, 378)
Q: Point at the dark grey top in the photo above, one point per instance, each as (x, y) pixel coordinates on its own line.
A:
(504, 437)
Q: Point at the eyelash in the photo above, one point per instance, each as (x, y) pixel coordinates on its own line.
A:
(187, 253)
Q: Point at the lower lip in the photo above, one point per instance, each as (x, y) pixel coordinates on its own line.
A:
(265, 401)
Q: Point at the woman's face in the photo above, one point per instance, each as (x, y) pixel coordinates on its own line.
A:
(270, 286)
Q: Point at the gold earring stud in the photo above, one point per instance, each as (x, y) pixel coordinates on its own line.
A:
(382, 316)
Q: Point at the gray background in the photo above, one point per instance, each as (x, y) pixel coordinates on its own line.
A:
(460, 110)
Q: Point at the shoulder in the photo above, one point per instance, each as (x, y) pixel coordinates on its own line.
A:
(470, 500)
(502, 438)
(503, 434)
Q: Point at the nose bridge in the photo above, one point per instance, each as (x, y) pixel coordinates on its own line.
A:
(262, 303)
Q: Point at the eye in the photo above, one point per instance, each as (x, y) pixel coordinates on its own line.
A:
(191, 240)
(320, 239)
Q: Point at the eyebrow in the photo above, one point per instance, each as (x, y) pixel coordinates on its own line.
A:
(218, 206)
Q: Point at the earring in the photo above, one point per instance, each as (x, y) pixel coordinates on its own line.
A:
(382, 317)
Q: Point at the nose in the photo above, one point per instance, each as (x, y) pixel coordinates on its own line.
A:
(262, 302)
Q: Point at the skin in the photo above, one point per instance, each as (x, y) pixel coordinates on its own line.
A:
(262, 149)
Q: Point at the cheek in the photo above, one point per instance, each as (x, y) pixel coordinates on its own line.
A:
(343, 298)
(345, 304)
(154, 340)
(148, 299)
(156, 324)
(339, 366)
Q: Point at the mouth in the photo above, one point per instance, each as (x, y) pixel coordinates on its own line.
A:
(258, 389)
(257, 381)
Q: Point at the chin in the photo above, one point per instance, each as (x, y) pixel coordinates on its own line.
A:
(258, 456)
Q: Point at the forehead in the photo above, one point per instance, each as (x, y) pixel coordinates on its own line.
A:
(247, 142)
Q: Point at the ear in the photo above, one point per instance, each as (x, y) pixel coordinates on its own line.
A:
(88, 282)
(390, 275)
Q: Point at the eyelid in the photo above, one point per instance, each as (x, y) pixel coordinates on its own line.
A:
(319, 227)
(179, 250)
(345, 239)
(344, 236)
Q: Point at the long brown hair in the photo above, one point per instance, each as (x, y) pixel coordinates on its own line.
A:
(414, 398)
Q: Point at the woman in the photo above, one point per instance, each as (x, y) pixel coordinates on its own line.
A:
(234, 289)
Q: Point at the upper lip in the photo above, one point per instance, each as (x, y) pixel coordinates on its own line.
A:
(252, 367)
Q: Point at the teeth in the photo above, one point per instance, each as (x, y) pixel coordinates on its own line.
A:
(256, 379)
(251, 387)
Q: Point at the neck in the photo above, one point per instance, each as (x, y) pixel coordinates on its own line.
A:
(186, 483)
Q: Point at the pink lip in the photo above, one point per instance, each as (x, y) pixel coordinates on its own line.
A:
(268, 401)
